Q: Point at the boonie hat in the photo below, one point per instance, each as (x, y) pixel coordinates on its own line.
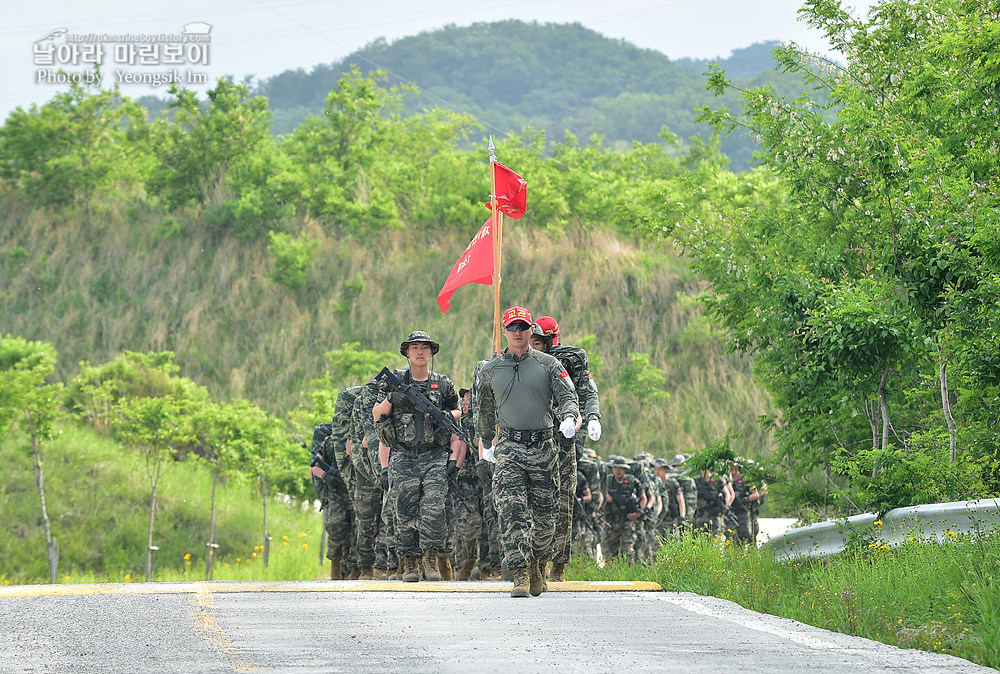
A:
(620, 462)
(677, 460)
(661, 463)
(515, 315)
(419, 336)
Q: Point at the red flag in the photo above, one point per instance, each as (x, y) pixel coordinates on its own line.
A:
(475, 265)
(512, 191)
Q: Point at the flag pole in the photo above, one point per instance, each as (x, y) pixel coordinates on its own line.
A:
(497, 246)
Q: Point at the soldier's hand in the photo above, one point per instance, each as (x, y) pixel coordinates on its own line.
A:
(568, 427)
(396, 397)
(632, 516)
(483, 471)
(594, 429)
(384, 479)
(452, 467)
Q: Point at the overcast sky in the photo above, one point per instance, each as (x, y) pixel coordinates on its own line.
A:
(266, 37)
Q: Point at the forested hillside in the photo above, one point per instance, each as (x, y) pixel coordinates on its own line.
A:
(553, 77)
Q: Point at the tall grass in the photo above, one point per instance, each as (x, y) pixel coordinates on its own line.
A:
(135, 278)
(97, 496)
(941, 598)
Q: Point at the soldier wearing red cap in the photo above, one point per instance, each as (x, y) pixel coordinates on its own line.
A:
(525, 393)
(545, 337)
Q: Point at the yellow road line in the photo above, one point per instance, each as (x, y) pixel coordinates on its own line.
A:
(218, 587)
(210, 631)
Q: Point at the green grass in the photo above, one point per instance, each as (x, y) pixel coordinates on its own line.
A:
(940, 598)
(97, 497)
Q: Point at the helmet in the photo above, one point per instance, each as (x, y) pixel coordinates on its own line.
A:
(419, 336)
(549, 327)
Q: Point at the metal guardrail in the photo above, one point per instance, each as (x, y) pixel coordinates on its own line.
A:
(936, 521)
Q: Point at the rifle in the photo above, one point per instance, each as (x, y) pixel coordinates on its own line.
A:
(628, 502)
(582, 512)
(422, 404)
(331, 475)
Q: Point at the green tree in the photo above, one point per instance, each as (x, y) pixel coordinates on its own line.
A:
(852, 291)
(156, 427)
(292, 258)
(93, 392)
(80, 144)
(220, 154)
(25, 395)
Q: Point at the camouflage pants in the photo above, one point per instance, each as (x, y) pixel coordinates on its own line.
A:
(649, 546)
(585, 537)
(367, 510)
(385, 552)
(468, 518)
(338, 520)
(526, 491)
(421, 491)
(567, 494)
(706, 523)
(743, 531)
(621, 538)
(490, 549)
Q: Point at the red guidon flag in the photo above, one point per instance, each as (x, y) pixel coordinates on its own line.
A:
(512, 192)
(475, 265)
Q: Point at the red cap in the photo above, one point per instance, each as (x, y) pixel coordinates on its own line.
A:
(549, 328)
(515, 314)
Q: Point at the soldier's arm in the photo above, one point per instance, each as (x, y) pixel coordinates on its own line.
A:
(586, 389)
(564, 392)
(382, 406)
(486, 414)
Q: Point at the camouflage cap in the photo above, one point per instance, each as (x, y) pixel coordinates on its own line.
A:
(661, 463)
(419, 336)
(678, 460)
(619, 462)
(644, 456)
(589, 452)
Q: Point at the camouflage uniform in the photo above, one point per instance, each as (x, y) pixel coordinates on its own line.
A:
(688, 488)
(468, 509)
(490, 550)
(669, 518)
(335, 502)
(622, 534)
(418, 459)
(646, 526)
(468, 503)
(587, 534)
(574, 359)
(518, 394)
(711, 506)
(367, 489)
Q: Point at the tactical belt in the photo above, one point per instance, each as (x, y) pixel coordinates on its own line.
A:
(536, 435)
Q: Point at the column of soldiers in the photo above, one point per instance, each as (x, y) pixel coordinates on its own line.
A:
(633, 504)
(497, 475)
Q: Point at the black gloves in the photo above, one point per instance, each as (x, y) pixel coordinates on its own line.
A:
(384, 479)
(452, 468)
(396, 397)
(483, 471)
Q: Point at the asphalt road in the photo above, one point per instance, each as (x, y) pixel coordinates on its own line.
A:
(334, 627)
